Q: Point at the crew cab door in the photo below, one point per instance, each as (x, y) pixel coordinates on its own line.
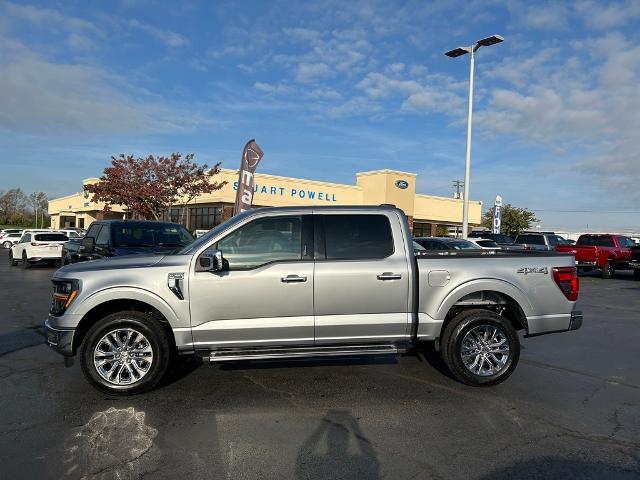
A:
(264, 295)
(361, 291)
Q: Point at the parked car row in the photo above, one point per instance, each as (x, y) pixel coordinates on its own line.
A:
(604, 252)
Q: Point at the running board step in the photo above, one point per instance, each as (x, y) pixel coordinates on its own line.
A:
(302, 352)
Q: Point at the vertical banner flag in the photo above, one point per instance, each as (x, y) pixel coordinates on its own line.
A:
(497, 215)
(251, 156)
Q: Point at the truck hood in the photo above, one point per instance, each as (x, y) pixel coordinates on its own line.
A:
(113, 263)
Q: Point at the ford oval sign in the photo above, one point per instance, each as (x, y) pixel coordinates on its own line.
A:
(402, 184)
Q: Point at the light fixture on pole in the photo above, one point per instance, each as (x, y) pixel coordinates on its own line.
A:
(457, 52)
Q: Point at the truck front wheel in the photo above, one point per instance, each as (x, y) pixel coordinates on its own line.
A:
(125, 353)
(636, 273)
(480, 347)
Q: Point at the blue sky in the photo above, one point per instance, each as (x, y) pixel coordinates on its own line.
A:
(331, 88)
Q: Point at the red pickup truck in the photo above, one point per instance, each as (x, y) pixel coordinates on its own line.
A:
(605, 252)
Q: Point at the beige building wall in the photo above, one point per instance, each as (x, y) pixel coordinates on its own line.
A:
(371, 188)
(78, 209)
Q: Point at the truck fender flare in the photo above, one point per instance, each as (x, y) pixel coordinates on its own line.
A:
(127, 293)
(485, 284)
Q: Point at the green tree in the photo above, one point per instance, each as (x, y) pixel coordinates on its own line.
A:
(514, 219)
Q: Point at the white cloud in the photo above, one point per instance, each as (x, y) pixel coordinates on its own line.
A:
(309, 72)
(433, 94)
(167, 37)
(585, 106)
(271, 88)
(80, 34)
(604, 15)
(542, 15)
(43, 97)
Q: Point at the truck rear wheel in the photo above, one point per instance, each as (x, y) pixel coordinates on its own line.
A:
(480, 347)
(636, 273)
(125, 353)
(608, 271)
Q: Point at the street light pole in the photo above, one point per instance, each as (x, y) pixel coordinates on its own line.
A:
(492, 40)
(467, 160)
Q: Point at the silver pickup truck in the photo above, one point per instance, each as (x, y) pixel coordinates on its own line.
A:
(279, 283)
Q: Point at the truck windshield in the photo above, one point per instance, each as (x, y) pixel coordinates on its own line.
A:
(143, 235)
(206, 238)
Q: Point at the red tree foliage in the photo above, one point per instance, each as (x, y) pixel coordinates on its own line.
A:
(149, 186)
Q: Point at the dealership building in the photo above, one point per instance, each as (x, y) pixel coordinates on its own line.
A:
(425, 212)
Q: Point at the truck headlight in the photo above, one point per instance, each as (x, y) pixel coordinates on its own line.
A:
(64, 293)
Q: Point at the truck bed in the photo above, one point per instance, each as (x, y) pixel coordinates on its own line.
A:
(495, 278)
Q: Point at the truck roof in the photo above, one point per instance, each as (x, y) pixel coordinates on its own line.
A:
(331, 207)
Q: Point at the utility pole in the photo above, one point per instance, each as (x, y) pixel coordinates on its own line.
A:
(458, 184)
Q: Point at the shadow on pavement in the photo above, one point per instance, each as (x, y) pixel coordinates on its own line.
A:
(337, 449)
(181, 367)
(561, 468)
(309, 362)
(17, 340)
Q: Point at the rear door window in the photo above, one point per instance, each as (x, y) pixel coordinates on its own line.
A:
(604, 242)
(50, 237)
(531, 239)
(357, 237)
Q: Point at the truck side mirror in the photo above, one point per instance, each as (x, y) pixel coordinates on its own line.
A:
(87, 245)
(210, 261)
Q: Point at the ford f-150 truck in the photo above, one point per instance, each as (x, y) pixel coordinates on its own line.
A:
(603, 251)
(278, 283)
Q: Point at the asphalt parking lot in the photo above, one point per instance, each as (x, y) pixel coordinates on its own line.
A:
(571, 409)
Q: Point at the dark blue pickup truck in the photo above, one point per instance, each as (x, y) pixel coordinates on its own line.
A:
(111, 238)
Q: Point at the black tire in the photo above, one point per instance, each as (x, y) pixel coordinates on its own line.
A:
(141, 323)
(636, 273)
(25, 261)
(451, 345)
(609, 270)
(7, 245)
(12, 261)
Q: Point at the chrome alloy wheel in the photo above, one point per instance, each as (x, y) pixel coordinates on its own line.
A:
(123, 356)
(485, 350)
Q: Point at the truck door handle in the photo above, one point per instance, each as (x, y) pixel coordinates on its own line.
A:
(389, 276)
(293, 279)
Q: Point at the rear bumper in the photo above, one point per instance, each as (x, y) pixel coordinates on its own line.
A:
(554, 323)
(60, 340)
(580, 263)
(576, 321)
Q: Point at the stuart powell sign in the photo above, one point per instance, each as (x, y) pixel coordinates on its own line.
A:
(251, 156)
(497, 215)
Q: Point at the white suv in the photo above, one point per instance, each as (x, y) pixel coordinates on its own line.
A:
(37, 246)
(10, 239)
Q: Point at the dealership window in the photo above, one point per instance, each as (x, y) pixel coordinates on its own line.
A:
(204, 218)
(421, 229)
